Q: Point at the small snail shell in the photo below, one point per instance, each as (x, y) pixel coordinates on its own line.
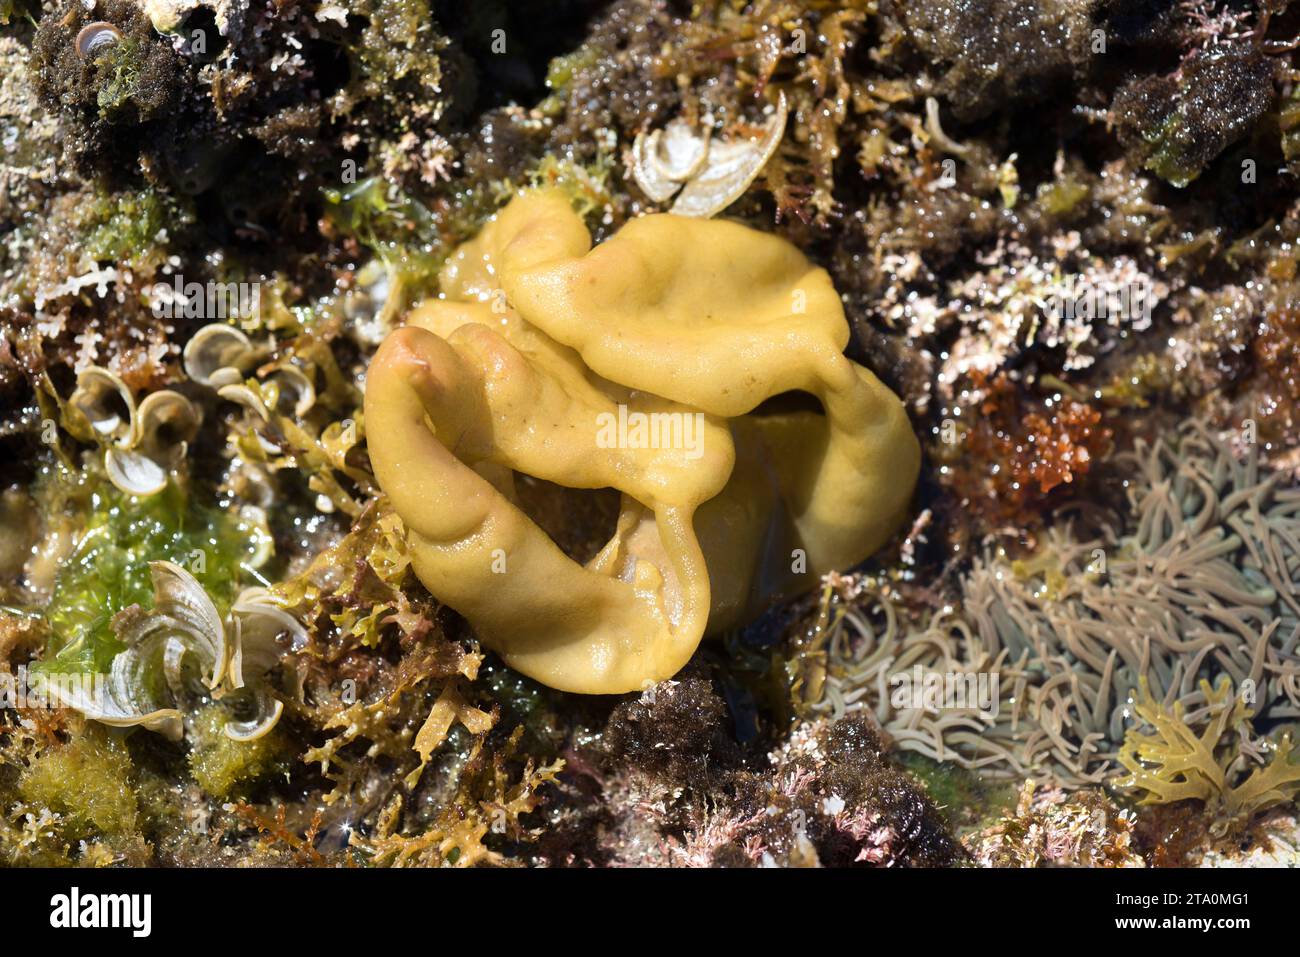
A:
(93, 37)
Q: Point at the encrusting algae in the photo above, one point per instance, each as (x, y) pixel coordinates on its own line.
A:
(543, 349)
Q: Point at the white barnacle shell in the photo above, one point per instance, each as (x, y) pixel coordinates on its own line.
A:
(134, 472)
(266, 707)
(667, 158)
(935, 129)
(217, 355)
(182, 627)
(94, 37)
(106, 404)
(117, 699)
(166, 422)
(247, 397)
(729, 169)
(257, 621)
(255, 516)
(295, 388)
(252, 401)
(161, 429)
(183, 611)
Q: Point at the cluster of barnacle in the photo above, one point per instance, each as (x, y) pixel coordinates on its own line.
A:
(143, 443)
(1198, 581)
(76, 273)
(687, 94)
(77, 284)
(130, 639)
(372, 677)
(288, 421)
(183, 630)
(185, 106)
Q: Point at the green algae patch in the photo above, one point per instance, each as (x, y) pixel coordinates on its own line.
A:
(404, 234)
(967, 800)
(221, 765)
(585, 186)
(108, 569)
(128, 227)
(121, 64)
(88, 782)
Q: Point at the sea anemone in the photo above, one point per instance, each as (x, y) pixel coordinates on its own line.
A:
(1203, 580)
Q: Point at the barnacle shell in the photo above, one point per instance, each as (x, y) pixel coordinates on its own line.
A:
(667, 158)
(257, 413)
(217, 355)
(263, 619)
(134, 472)
(935, 128)
(255, 516)
(731, 167)
(166, 422)
(183, 624)
(94, 37)
(182, 611)
(296, 390)
(106, 404)
(182, 628)
(246, 396)
(258, 621)
(672, 315)
(715, 173)
(160, 430)
(117, 700)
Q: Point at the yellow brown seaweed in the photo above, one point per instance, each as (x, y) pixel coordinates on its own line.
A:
(544, 359)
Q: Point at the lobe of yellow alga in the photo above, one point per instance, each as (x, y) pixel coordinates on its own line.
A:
(541, 347)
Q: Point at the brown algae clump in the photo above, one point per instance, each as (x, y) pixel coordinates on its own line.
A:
(644, 365)
(1175, 763)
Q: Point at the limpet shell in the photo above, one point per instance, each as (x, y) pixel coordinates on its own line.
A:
(94, 37)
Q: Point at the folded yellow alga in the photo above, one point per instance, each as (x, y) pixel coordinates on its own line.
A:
(638, 365)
